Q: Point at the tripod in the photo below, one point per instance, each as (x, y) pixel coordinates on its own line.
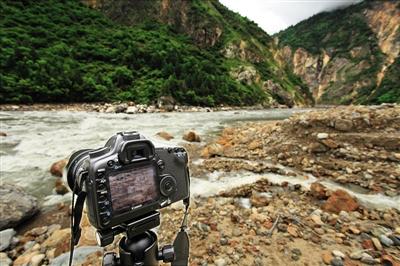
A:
(139, 247)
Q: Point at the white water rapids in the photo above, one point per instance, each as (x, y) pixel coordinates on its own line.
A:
(37, 139)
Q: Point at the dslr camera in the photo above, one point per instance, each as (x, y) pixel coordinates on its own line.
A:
(126, 182)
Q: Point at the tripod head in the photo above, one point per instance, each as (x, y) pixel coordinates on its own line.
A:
(139, 247)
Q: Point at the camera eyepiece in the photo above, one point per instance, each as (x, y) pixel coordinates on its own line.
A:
(75, 167)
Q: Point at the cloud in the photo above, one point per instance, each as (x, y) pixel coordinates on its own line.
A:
(276, 15)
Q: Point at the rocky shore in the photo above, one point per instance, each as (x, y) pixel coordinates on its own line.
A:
(269, 223)
(163, 105)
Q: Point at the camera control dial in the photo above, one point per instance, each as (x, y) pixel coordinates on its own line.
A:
(167, 185)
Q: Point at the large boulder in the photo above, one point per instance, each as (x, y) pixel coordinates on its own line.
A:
(339, 201)
(57, 168)
(15, 205)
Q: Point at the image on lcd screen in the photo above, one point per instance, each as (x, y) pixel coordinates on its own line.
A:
(133, 187)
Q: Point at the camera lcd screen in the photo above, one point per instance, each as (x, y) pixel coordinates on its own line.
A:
(132, 188)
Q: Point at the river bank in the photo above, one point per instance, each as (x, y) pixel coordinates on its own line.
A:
(297, 208)
(126, 107)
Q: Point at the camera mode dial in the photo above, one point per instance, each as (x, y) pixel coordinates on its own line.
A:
(167, 185)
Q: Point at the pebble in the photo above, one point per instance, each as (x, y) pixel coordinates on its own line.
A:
(376, 243)
(386, 241)
(367, 259)
(396, 240)
(337, 261)
(322, 135)
(338, 253)
(220, 262)
(37, 259)
(223, 241)
(4, 259)
(5, 238)
(356, 255)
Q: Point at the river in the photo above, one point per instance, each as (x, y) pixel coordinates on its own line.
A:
(37, 139)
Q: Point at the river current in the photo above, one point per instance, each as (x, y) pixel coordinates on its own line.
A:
(37, 139)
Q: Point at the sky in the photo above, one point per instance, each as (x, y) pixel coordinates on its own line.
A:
(276, 15)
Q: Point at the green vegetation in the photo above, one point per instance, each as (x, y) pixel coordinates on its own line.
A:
(62, 51)
(389, 89)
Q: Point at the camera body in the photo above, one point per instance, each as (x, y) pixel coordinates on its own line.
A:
(128, 178)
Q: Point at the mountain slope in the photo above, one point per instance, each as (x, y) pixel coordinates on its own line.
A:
(196, 51)
(348, 55)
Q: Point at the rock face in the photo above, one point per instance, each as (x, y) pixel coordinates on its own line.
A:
(335, 75)
(15, 206)
(339, 201)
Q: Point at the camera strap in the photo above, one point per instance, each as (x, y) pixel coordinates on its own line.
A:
(77, 209)
(181, 243)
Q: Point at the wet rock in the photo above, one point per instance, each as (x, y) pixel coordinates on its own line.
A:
(386, 241)
(3, 134)
(60, 187)
(5, 238)
(131, 110)
(395, 239)
(165, 135)
(15, 205)
(318, 190)
(191, 136)
(340, 200)
(4, 259)
(57, 168)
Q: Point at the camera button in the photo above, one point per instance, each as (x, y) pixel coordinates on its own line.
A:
(161, 164)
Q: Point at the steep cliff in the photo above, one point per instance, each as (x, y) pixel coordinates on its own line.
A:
(249, 52)
(348, 55)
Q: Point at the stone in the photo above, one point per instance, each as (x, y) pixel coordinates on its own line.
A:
(223, 241)
(212, 150)
(80, 255)
(337, 262)
(36, 260)
(322, 136)
(25, 258)
(220, 262)
(340, 200)
(131, 110)
(259, 200)
(338, 253)
(367, 259)
(356, 255)
(59, 239)
(343, 124)
(327, 257)
(3, 134)
(377, 243)
(60, 187)
(165, 135)
(318, 191)
(292, 230)
(316, 219)
(15, 205)
(330, 143)
(57, 168)
(386, 241)
(5, 238)
(396, 240)
(191, 136)
(317, 147)
(4, 259)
